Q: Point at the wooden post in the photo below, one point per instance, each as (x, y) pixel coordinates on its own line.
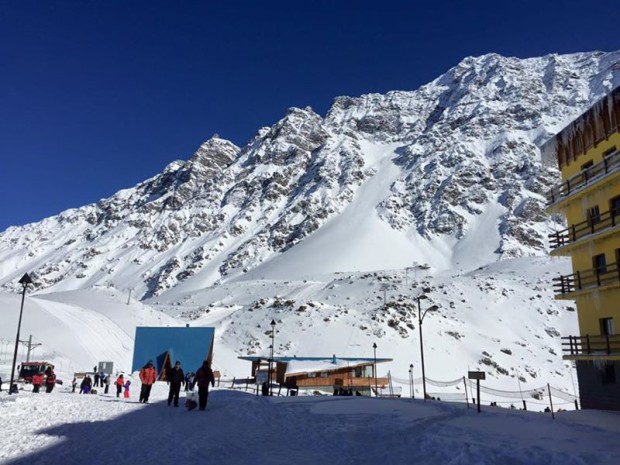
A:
(550, 401)
(466, 399)
(524, 404)
(478, 393)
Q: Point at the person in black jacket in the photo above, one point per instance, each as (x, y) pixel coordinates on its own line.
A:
(204, 376)
(175, 379)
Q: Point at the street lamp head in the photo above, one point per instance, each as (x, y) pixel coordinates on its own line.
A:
(25, 280)
(374, 345)
(422, 297)
(433, 308)
(273, 323)
(411, 366)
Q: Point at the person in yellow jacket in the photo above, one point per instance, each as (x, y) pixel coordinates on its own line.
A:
(148, 375)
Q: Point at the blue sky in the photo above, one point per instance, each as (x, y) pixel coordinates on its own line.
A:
(96, 96)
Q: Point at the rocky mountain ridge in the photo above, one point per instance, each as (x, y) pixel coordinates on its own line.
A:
(432, 167)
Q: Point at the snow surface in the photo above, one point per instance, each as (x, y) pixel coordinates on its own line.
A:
(241, 428)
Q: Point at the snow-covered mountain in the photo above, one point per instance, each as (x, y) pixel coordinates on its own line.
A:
(411, 175)
(316, 220)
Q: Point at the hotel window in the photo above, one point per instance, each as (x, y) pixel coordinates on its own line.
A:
(607, 327)
(599, 264)
(614, 206)
(594, 215)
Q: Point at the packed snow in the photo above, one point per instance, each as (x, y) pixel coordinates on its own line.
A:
(241, 428)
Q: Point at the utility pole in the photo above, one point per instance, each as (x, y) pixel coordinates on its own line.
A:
(30, 346)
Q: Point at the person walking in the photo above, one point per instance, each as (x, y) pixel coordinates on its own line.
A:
(120, 382)
(204, 376)
(50, 382)
(106, 382)
(37, 382)
(96, 379)
(175, 379)
(148, 375)
(86, 385)
(126, 392)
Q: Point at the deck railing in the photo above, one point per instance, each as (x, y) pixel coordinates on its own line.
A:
(591, 345)
(609, 164)
(587, 279)
(605, 220)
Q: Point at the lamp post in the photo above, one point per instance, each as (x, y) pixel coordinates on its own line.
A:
(374, 370)
(411, 380)
(24, 281)
(420, 319)
(273, 333)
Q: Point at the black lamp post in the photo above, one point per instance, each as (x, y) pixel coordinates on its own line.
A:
(411, 380)
(24, 281)
(374, 370)
(273, 333)
(420, 319)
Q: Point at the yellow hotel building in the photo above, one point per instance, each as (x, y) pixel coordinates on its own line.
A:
(588, 155)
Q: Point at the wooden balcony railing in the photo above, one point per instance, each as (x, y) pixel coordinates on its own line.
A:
(587, 279)
(591, 345)
(346, 382)
(609, 164)
(605, 220)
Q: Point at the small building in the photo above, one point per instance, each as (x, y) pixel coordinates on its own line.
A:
(326, 374)
(164, 346)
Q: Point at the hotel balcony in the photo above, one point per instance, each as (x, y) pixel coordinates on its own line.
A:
(598, 227)
(591, 347)
(565, 287)
(585, 179)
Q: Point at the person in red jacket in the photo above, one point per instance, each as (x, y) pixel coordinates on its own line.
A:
(119, 383)
(204, 376)
(148, 375)
(37, 382)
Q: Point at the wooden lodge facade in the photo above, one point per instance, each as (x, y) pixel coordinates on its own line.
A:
(324, 374)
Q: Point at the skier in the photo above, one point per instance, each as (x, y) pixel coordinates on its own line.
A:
(96, 379)
(126, 392)
(148, 375)
(204, 376)
(175, 379)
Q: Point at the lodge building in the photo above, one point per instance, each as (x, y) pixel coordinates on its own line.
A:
(588, 155)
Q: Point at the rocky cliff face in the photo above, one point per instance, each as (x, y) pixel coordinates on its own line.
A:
(457, 155)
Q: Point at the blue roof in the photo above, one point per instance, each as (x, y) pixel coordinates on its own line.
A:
(190, 346)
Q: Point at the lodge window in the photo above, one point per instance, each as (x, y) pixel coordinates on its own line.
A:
(606, 153)
(607, 327)
(594, 215)
(587, 165)
(614, 206)
(609, 374)
(599, 264)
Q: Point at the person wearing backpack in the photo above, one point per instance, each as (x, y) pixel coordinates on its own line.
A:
(50, 382)
(204, 376)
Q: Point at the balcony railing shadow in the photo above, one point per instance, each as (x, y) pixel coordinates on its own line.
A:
(587, 279)
(604, 221)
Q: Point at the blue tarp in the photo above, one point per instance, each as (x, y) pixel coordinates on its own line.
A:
(190, 346)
